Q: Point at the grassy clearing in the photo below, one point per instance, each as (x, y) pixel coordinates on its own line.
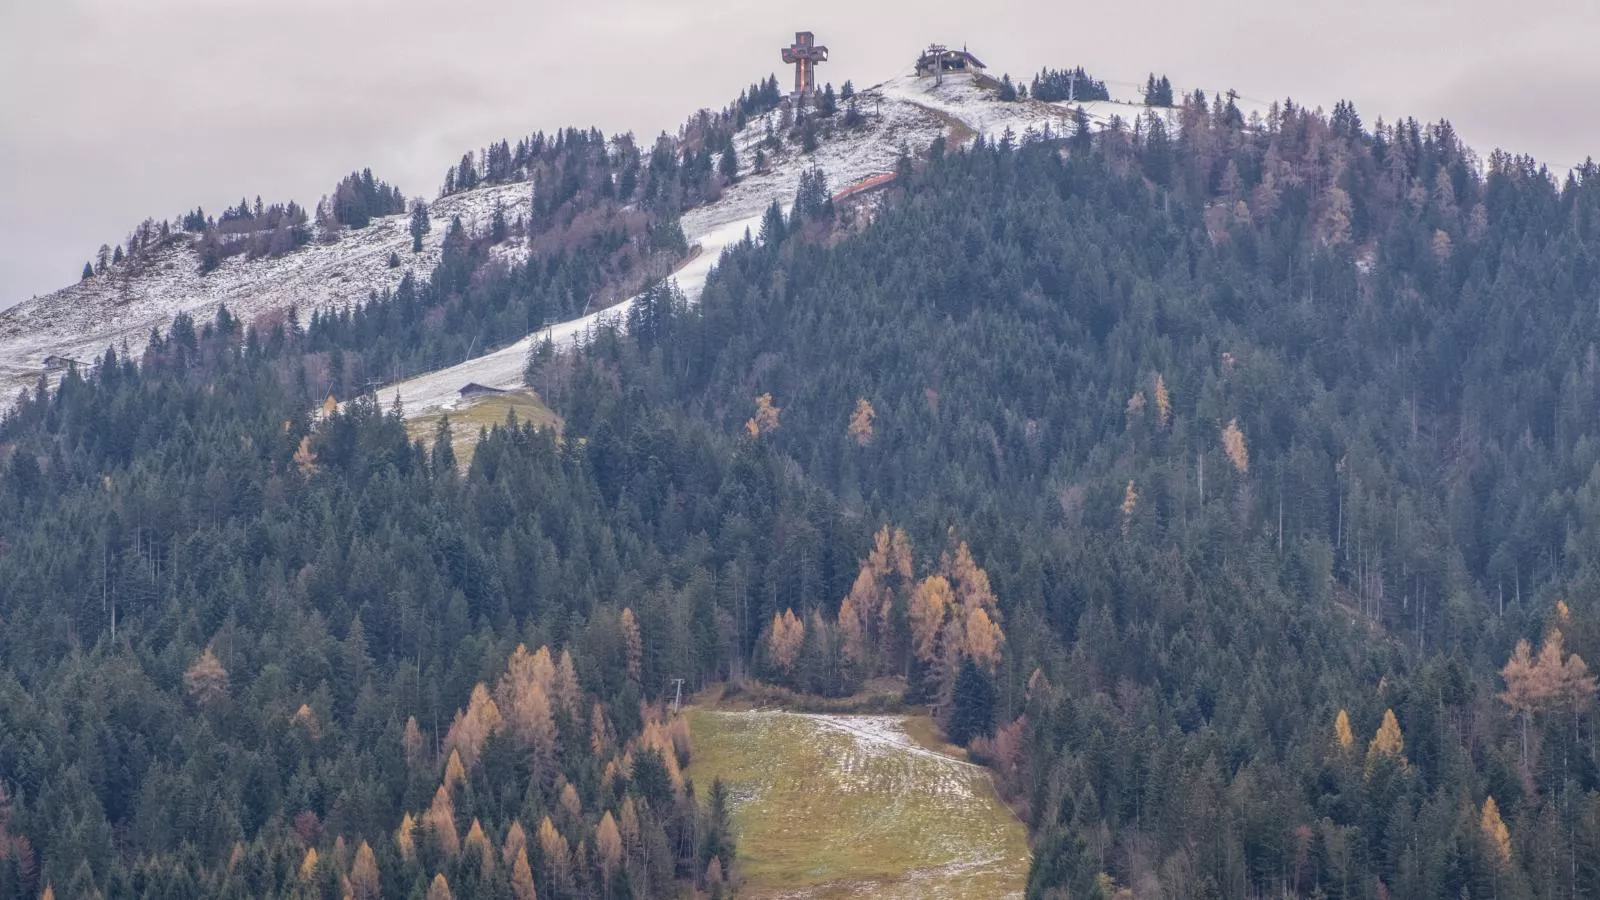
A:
(879, 695)
(831, 806)
(484, 412)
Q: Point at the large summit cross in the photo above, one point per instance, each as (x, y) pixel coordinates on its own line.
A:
(804, 54)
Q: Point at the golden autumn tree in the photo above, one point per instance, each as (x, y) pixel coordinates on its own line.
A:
(516, 839)
(553, 849)
(473, 726)
(853, 633)
(860, 429)
(206, 680)
(600, 735)
(1233, 444)
(477, 846)
(931, 602)
(868, 614)
(1341, 730)
(765, 421)
(1134, 412)
(411, 741)
(405, 837)
(974, 630)
(524, 700)
(570, 801)
(522, 877)
(633, 641)
(455, 774)
(982, 640)
(1550, 682)
(970, 581)
(364, 881)
(305, 458)
(1163, 402)
(632, 840)
(439, 889)
(1130, 503)
(1496, 836)
(1388, 743)
(308, 865)
(608, 848)
(440, 822)
(785, 637)
(565, 691)
(306, 718)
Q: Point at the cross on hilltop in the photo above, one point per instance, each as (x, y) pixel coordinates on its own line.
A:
(804, 54)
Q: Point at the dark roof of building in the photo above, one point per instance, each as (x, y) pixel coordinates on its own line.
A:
(473, 387)
(948, 54)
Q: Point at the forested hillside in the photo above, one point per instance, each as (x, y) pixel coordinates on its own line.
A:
(1209, 482)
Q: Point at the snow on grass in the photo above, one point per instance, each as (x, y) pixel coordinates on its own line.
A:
(847, 806)
(122, 306)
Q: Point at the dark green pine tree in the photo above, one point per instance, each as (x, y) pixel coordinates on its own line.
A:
(1008, 90)
(444, 451)
(88, 271)
(728, 165)
(498, 229)
(719, 839)
(419, 224)
(972, 705)
(829, 104)
(1082, 131)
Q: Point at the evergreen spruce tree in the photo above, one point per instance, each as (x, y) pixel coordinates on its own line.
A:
(420, 224)
(829, 104)
(972, 706)
(444, 451)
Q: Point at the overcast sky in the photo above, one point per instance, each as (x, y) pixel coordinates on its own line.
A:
(114, 110)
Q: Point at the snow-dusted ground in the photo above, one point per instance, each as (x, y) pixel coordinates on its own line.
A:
(852, 806)
(80, 321)
(903, 112)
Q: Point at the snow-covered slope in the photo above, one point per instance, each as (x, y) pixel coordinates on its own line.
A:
(80, 321)
(904, 112)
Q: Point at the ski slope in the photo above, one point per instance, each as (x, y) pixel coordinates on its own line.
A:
(904, 112)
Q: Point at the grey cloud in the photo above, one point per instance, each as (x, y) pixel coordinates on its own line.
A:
(111, 111)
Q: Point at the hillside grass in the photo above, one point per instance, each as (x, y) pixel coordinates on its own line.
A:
(486, 411)
(855, 806)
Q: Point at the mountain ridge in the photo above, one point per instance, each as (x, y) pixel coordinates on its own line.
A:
(120, 306)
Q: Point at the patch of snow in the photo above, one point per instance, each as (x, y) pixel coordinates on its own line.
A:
(122, 306)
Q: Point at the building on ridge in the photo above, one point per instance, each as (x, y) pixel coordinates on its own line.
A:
(939, 60)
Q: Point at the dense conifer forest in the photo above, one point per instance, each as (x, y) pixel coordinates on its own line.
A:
(1230, 490)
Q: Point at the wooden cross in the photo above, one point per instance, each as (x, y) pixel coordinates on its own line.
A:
(804, 55)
